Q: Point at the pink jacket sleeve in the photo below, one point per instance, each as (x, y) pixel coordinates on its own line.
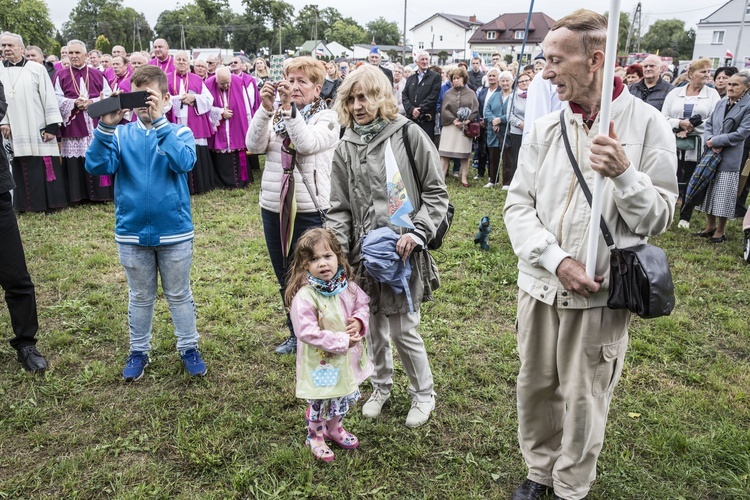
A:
(305, 321)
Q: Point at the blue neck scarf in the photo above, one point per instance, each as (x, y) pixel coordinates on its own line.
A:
(334, 286)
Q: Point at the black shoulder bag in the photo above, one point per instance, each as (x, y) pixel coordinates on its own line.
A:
(442, 229)
(639, 276)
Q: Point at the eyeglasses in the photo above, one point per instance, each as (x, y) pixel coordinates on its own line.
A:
(524, 81)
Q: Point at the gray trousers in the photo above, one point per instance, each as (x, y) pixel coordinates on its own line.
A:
(571, 361)
(402, 330)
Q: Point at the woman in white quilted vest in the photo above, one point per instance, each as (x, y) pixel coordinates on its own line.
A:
(298, 138)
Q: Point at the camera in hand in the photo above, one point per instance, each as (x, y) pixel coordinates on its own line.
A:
(131, 100)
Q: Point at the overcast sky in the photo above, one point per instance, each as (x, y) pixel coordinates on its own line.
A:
(690, 11)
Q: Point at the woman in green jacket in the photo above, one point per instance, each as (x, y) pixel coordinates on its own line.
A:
(360, 204)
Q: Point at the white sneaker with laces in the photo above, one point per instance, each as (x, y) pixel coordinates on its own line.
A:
(505, 188)
(489, 185)
(683, 224)
(419, 413)
(476, 177)
(374, 405)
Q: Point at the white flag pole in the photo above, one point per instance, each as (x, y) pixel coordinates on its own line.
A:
(610, 54)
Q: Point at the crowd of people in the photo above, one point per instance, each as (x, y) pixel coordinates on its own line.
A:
(349, 267)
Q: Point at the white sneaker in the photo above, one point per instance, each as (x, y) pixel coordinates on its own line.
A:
(476, 177)
(372, 408)
(489, 185)
(505, 188)
(683, 224)
(420, 413)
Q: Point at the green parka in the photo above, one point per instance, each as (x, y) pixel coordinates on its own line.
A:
(359, 204)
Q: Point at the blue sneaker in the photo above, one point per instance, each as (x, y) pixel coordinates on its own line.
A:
(194, 363)
(134, 366)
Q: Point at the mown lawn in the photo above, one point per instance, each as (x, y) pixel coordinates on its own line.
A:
(679, 423)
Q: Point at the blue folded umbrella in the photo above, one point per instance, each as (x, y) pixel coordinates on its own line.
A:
(702, 176)
(384, 264)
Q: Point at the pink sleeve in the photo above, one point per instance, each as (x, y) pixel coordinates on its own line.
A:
(305, 322)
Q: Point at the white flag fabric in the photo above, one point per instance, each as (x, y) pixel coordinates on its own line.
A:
(399, 204)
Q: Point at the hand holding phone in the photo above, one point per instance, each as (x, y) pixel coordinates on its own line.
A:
(268, 95)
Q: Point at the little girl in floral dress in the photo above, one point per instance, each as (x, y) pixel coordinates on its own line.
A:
(330, 315)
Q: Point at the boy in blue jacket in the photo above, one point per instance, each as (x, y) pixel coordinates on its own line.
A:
(150, 159)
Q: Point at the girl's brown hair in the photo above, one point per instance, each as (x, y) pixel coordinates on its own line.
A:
(303, 254)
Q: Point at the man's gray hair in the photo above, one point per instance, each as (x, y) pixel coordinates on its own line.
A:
(421, 53)
(17, 37)
(76, 42)
(97, 52)
(38, 49)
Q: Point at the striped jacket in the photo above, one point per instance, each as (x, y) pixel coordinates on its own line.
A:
(150, 166)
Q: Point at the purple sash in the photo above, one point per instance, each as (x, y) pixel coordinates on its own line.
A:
(238, 123)
(69, 84)
(199, 124)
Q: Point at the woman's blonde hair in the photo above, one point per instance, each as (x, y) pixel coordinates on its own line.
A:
(336, 72)
(377, 89)
(699, 64)
(303, 255)
(313, 68)
(264, 72)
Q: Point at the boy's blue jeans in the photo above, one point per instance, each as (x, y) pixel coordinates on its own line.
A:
(172, 262)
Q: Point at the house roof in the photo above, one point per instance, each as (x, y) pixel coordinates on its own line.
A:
(506, 25)
(707, 19)
(310, 45)
(465, 22)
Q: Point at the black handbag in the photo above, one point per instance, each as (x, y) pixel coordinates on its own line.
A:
(639, 276)
(447, 221)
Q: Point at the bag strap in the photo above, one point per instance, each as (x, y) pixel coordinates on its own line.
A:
(410, 154)
(603, 225)
(306, 182)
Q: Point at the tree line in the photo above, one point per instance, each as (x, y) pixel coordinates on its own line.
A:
(271, 24)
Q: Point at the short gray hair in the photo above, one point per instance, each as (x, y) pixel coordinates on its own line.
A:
(17, 37)
(421, 53)
(34, 47)
(76, 42)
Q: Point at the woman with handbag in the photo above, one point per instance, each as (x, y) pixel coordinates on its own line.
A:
(360, 204)
(686, 108)
(454, 143)
(725, 133)
(298, 139)
(516, 117)
(496, 120)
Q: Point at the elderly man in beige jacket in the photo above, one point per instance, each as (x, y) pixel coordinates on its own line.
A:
(571, 346)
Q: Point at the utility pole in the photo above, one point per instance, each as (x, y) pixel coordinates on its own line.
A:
(403, 47)
(631, 31)
(736, 55)
(182, 36)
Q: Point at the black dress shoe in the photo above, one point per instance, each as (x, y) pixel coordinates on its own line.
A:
(289, 346)
(531, 490)
(720, 239)
(706, 233)
(31, 359)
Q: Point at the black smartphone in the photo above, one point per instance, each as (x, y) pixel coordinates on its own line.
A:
(134, 100)
(131, 100)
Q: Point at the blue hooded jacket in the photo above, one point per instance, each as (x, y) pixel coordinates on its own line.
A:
(150, 166)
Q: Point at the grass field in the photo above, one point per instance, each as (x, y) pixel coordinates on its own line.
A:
(679, 424)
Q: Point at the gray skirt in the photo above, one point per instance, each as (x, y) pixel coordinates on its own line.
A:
(721, 196)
